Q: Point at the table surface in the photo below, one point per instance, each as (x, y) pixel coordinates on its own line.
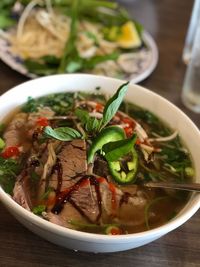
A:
(167, 21)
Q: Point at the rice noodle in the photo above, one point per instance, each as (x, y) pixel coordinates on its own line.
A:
(142, 135)
(55, 24)
(30, 46)
(80, 128)
(70, 117)
(87, 102)
(51, 160)
(147, 148)
(49, 6)
(164, 139)
(24, 17)
(97, 115)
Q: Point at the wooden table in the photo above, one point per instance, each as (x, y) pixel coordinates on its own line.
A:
(167, 21)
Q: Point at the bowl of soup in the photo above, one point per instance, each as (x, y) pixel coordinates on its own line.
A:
(77, 152)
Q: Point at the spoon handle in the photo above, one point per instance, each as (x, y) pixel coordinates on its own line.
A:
(187, 187)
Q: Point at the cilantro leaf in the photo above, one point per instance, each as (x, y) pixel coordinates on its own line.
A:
(9, 169)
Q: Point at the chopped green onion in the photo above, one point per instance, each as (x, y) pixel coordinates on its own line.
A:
(38, 210)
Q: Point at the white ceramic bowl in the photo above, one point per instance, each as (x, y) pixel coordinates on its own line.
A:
(164, 109)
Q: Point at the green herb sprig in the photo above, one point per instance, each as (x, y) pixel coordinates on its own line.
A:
(113, 105)
(94, 125)
(62, 133)
(91, 124)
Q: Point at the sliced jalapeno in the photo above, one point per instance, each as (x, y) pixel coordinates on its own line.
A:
(108, 134)
(124, 175)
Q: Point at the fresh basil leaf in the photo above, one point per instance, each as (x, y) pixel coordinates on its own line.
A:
(82, 114)
(72, 132)
(115, 150)
(113, 104)
(62, 133)
(111, 107)
(92, 124)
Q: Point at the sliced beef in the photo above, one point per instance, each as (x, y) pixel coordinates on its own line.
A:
(66, 217)
(20, 196)
(73, 163)
(33, 130)
(33, 117)
(125, 204)
(110, 199)
(72, 167)
(27, 185)
(87, 201)
(20, 130)
(69, 171)
(16, 134)
(79, 197)
(21, 192)
(132, 206)
(60, 173)
(74, 160)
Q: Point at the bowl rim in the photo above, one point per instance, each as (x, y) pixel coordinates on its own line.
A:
(92, 237)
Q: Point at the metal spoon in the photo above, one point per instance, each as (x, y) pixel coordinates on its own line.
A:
(186, 186)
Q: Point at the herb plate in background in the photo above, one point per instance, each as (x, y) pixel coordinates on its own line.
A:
(142, 66)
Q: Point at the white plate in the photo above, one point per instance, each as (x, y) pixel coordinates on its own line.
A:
(145, 60)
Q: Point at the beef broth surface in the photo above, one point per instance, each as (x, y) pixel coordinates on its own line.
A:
(53, 178)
